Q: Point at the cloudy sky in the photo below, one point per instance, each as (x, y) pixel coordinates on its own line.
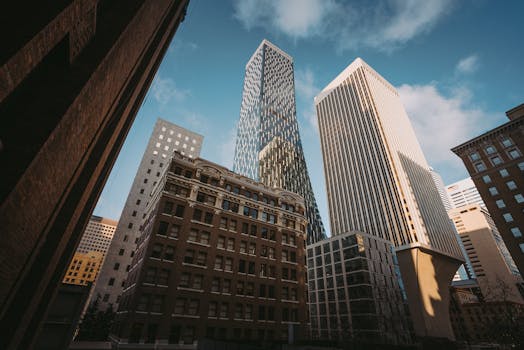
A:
(458, 66)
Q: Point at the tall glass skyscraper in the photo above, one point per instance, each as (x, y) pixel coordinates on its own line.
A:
(268, 147)
(379, 182)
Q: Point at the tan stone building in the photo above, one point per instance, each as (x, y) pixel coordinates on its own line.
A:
(84, 268)
(221, 257)
(496, 272)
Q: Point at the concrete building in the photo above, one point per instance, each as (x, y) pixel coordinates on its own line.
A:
(268, 146)
(165, 139)
(496, 164)
(355, 291)
(97, 235)
(494, 268)
(378, 182)
(441, 189)
(220, 257)
(86, 66)
(464, 192)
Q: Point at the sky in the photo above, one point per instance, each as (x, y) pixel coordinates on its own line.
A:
(458, 66)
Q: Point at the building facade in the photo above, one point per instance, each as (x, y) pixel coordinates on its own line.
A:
(97, 235)
(84, 268)
(378, 182)
(268, 146)
(355, 291)
(495, 161)
(88, 65)
(165, 139)
(464, 192)
(220, 257)
(492, 264)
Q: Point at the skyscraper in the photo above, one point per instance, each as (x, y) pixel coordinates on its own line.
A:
(378, 182)
(464, 192)
(268, 147)
(165, 139)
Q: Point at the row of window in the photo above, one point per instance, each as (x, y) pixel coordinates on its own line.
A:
(510, 184)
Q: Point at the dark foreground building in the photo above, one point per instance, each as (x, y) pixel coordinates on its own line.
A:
(72, 77)
(495, 161)
(221, 258)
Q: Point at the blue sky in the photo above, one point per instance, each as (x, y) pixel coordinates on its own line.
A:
(458, 66)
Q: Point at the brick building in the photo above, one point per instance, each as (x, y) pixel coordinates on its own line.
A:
(220, 257)
(72, 77)
(495, 161)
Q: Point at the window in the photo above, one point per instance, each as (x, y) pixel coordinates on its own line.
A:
(212, 310)
(506, 142)
(223, 223)
(197, 215)
(231, 244)
(474, 156)
(163, 277)
(224, 309)
(500, 203)
(201, 258)
(116, 267)
(243, 247)
(480, 166)
(193, 307)
(519, 198)
(157, 250)
(189, 257)
(121, 252)
(521, 166)
(511, 185)
(215, 284)
(158, 303)
(208, 218)
(515, 231)
(496, 160)
(204, 237)
(521, 247)
(150, 275)
(508, 217)
(111, 282)
(490, 149)
(162, 228)
(514, 153)
(143, 302)
(493, 191)
(503, 173)
(226, 286)
(175, 229)
(192, 237)
(180, 304)
(218, 262)
(233, 225)
(169, 253)
(179, 211)
(168, 208)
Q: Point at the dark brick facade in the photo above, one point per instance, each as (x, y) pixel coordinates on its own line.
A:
(495, 161)
(73, 74)
(221, 257)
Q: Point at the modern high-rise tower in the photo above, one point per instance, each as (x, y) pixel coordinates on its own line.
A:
(268, 147)
(378, 182)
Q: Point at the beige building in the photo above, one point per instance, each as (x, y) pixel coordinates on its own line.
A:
(379, 182)
(84, 268)
(497, 275)
(97, 235)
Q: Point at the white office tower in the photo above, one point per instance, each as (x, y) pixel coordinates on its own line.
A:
(464, 192)
(97, 235)
(378, 182)
(441, 188)
(166, 139)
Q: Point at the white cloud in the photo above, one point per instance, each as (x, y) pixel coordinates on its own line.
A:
(164, 90)
(384, 25)
(468, 64)
(306, 91)
(442, 122)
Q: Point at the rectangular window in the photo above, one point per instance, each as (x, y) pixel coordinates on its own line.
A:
(496, 160)
(503, 173)
(221, 242)
(480, 166)
(204, 237)
(180, 304)
(507, 142)
(162, 228)
(500, 203)
(179, 211)
(521, 166)
(511, 185)
(233, 225)
(194, 304)
(508, 217)
(168, 207)
(224, 310)
(493, 191)
(190, 256)
(215, 284)
(515, 231)
(521, 245)
(169, 253)
(486, 179)
(192, 237)
(197, 215)
(514, 153)
(208, 218)
(175, 229)
(231, 244)
(212, 310)
(201, 258)
(490, 149)
(223, 223)
(519, 198)
(229, 264)
(218, 262)
(163, 277)
(474, 156)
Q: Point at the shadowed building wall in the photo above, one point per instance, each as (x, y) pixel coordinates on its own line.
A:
(72, 77)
